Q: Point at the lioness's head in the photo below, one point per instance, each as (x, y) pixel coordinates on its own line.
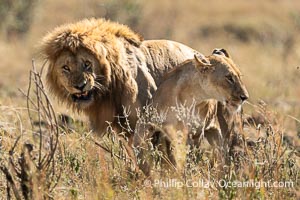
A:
(223, 78)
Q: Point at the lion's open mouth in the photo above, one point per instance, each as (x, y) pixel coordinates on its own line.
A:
(83, 96)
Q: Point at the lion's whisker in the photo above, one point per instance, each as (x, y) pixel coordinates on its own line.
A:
(99, 87)
(99, 77)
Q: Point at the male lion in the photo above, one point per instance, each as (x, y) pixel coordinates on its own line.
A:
(192, 83)
(101, 68)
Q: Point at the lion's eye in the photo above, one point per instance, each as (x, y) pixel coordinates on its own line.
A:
(66, 68)
(87, 65)
(230, 79)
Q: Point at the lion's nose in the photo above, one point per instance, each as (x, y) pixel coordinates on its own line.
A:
(243, 97)
(81, 85)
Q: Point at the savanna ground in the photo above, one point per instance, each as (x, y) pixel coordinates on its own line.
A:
(262, 37)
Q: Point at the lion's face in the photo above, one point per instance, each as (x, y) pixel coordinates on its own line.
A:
(224, 80)
(79, 76)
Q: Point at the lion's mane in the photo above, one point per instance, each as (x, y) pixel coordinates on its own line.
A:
(102, 38)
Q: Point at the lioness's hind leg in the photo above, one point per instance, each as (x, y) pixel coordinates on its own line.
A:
(213, 137)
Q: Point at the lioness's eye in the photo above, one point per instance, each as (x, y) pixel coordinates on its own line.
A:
(230, 79)
(66, 68)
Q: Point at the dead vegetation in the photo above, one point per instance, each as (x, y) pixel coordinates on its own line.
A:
(264, 39)
(51, 160)
(31, 166)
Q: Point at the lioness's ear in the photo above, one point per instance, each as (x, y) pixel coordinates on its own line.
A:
(221, 52)
(202, 60)
(203, 63)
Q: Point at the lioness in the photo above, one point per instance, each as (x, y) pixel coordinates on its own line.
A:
(100, 68)
(193, 82)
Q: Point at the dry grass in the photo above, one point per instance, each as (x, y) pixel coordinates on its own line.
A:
(263, 39)
(60, 158)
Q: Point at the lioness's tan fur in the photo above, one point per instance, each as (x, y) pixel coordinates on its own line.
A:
(193, 83)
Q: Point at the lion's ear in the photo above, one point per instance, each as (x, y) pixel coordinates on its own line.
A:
(221, 52)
